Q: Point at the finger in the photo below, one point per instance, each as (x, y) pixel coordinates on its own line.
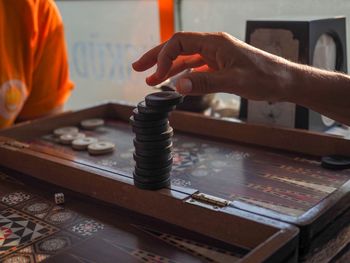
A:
(203, 68)
(180, 64)
(183, 43)
(185, 62)
(148, 60)
(197, 83)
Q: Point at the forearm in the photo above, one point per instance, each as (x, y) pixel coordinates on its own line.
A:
(236, 67)
(325, 92)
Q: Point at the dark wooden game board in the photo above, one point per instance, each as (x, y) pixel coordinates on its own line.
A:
(33, 229)
(211, 158)
(283, 183)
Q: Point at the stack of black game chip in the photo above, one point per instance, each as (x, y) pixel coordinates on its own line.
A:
(153, 144)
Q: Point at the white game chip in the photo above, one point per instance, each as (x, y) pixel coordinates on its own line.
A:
(101, 148)
(91, 124)
(68, 138)
(83, 143)
(65, 130)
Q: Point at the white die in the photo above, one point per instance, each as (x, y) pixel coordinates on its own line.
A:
(59, 198)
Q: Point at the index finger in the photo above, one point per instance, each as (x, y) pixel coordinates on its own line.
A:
(181, 43)
(149, 59)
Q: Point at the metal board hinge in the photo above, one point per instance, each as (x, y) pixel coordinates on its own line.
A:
(14, 144)
(209, 200)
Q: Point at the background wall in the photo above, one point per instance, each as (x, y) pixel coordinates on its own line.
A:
(231, 15)
(104, 37)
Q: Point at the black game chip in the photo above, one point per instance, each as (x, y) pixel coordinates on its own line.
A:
(157, 145)
(148, 124)
(154, 152)
(149, 117)
(152, 172)
(152, 130)
(152, 186)
(335, 162)
(144, 109)
(151, 179)
(158, 137)
(163, 158)
(154, 165)
(163, 99)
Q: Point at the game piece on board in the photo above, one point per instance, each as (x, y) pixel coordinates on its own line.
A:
(154, 152)
(163, 99)
(154, 165)
(151, 179)
(64, 130)
(164, 158)
(83, 143)
(68, 138)
(152, 130)
(91, 124)
(144, 109)
(152, 172)
(336, 162)
(148, 124)
(149, 117)
(59, 198)
(102, 147)
(152, 185)
(153, 144)
(164, 144)
(156, 137)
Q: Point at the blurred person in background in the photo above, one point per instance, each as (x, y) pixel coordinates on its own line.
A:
(34, 79)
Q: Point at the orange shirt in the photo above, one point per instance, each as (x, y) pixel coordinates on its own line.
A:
(34, 77)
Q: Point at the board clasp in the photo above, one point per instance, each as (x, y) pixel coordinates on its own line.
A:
(13, 144)
(209, 200)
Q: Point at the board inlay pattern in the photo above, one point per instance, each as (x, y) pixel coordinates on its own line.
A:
(18, 230)
(290, 184)
(35, 229)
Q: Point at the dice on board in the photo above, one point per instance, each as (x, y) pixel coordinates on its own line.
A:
(59, 198)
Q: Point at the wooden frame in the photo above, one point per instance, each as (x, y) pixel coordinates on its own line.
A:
(267, 239)
(319, 218)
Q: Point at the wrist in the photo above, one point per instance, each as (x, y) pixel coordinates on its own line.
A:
(316, 88)
(287, 80)
(297, 82)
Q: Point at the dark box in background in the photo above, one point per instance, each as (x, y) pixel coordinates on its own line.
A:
(317, 42)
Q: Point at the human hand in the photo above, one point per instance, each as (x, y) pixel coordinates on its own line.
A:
(221, 63)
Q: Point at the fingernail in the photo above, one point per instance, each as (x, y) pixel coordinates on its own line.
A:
(185, 86)
(149, 80)
(157, 74)
(134, 65)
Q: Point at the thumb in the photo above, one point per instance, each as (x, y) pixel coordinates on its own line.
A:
(197, 83)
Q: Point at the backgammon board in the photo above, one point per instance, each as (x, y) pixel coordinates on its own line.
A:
(35, 229)
(267, 171)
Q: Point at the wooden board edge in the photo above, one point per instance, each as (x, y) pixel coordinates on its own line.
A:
(293, 140)
(285, 242)
(128, 196)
